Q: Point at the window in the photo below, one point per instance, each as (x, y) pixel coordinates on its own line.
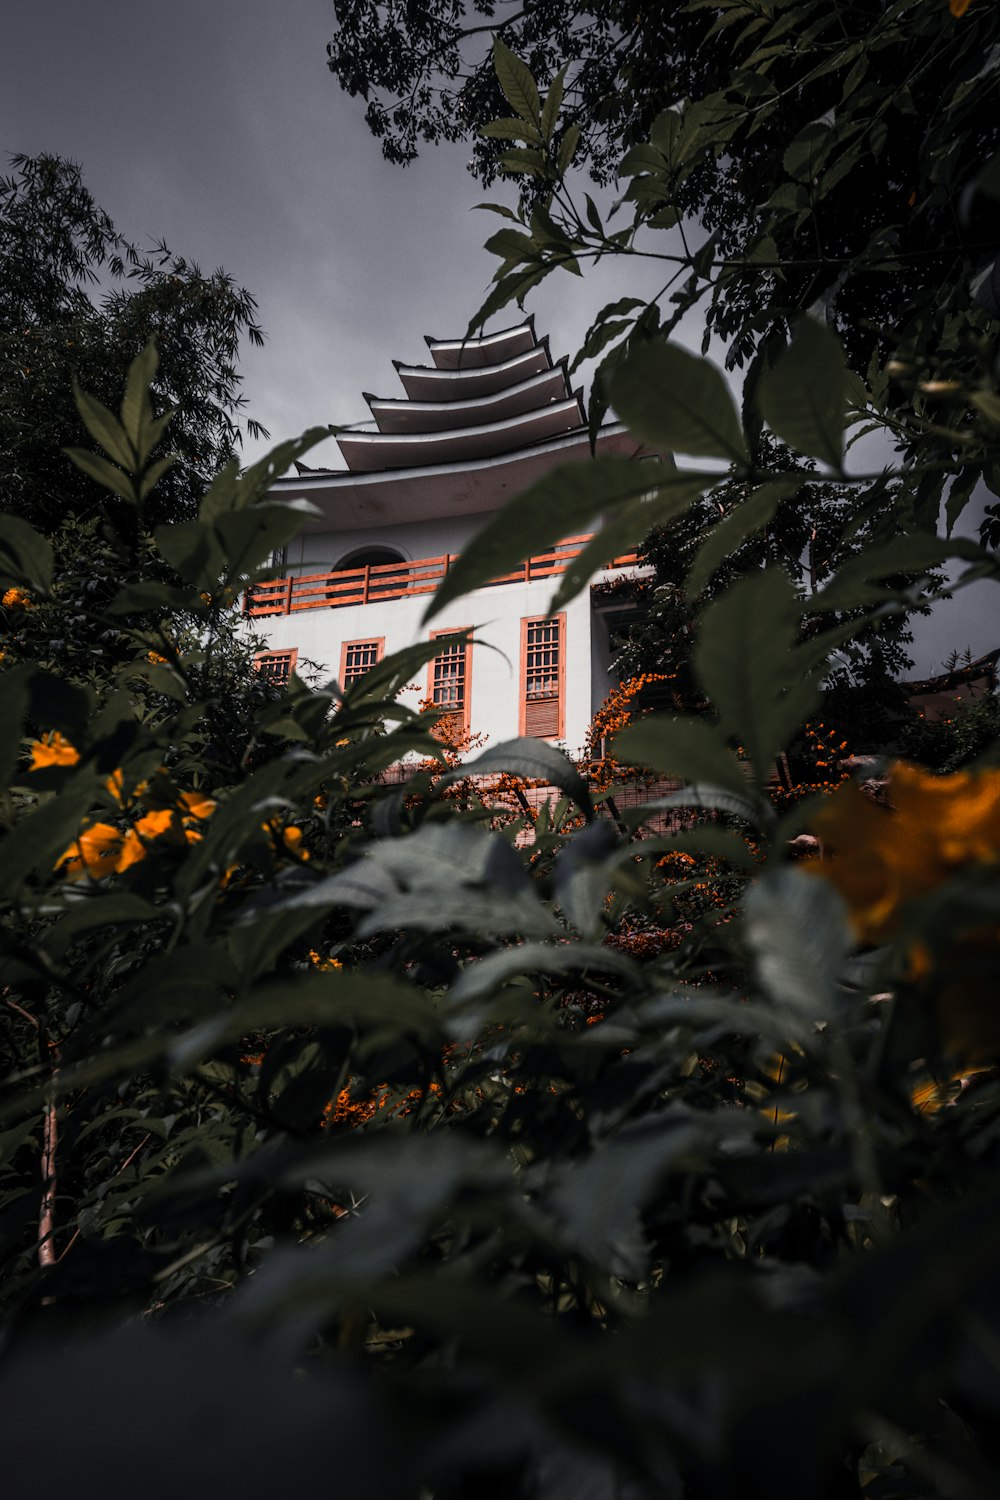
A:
(358, 657)
(449, 680)
(277, 665)
(542, 676)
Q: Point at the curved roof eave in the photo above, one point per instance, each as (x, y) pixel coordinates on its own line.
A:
(395, 414)
(369, 450)
(353, 500)
(473, 353)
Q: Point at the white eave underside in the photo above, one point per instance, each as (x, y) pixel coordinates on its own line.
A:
(353, 501)
(369, 451)
(468, 354)
(426, 383)
(438, 416)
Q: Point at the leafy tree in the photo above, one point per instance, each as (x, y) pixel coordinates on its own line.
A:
(80, 301)
(779, 161)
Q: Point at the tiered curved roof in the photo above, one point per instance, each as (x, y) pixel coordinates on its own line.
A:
(480, 398)
(483, 420)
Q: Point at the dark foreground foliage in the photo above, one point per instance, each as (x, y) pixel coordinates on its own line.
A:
(339, 1138)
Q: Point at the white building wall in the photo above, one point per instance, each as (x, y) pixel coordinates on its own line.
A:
(495, 614)
(322, 551)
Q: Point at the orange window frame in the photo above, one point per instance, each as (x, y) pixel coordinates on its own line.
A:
(376, 641)
(466, 713)
(529, 714)
(262, 658)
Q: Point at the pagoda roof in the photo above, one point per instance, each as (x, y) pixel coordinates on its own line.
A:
(368, 451)
(393, 415)
(429, 383)
(429, 490)
(488, 349)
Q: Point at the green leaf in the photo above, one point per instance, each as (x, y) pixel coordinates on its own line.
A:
(499, 208)
(534, 759)
(622, 531)
(664, 131)
(476, 912)
(796, 927)
(556, 506)
(136, 412)
(745, 659)
(511, 288)
(155, 473)
(105, 473)
(105, 428)
(855, 583)
(553, 104)
(677, 402)
(751, 809)
(511, 246)
(517, 83)
(485, 975)
(729, 535)
(13, 706)
(567, 148)
(193, 550)
(803, 396)
(639, 159)
(690, 749)
(523, 159)
(803, 157)
(25, 555)
(512, 130)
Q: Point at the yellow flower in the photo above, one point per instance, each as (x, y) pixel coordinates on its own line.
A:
(880, 858)
(156, 659)
(53, 750)
(16, 598)
(196, 805)
(95, 853)
(325, 965)
(151, 826)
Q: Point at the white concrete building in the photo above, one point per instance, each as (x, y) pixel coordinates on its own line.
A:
(485, 419)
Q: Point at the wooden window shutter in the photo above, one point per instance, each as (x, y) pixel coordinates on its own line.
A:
(543, 674)
(450, 676)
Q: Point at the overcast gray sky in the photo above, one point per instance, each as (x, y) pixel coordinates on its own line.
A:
(216, 126)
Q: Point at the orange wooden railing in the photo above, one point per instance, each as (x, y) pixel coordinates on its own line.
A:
(397, 580)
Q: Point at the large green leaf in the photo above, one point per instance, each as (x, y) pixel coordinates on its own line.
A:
(517, 83)
(677, 402)
(104, 472)
(564, 502)
(796, 927)
(25, 555)
(625, 529)
(856, 582)
(745, 659)
(690, 749)
(803, 396)
(105, 429)
(535, 759)
(729, 535)
(485, 975)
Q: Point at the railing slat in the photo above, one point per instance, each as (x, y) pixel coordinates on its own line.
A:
(385, 581)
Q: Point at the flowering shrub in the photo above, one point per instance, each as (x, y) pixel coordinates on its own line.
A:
(600, 1122)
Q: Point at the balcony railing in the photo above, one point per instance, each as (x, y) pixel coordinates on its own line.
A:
(398, 580)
